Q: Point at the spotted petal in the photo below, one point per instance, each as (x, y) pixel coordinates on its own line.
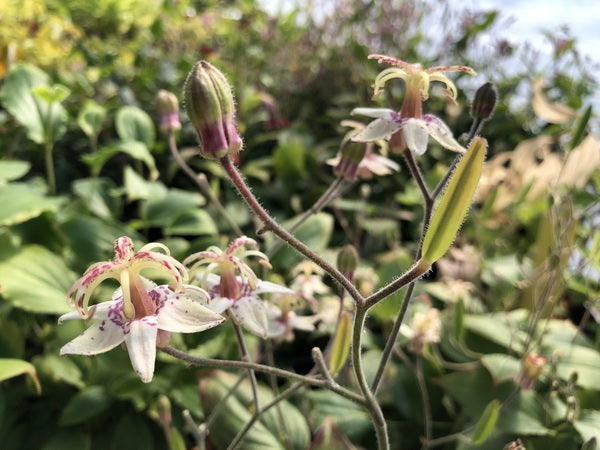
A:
(439, 131)
(378, 129)
(99, 338)
(252, 315)
(266, 287)
(375, 113)
(141, 345)
(182, 314)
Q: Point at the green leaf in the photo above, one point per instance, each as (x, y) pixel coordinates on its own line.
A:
(161, 212)
(32, 112)
(99, 196)
(137, 188)
(36, 280)
(21, 202)
(453, 207)
(90, 119)
(124, 439)
(341, 344)
(588, 424)
(69, 440)
(59, 368)
(459, 319)
(581, 128)
(13, 170)
(486, 424)
(51, 94)
(10, 368)
(315, 233)
(84, 405)
(193, 223)
(134, 124)
(136, 149)
(289, 160)
(502, 367)
(267, 432)
(497, 328)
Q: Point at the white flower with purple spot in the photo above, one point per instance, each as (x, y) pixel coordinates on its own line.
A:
(174, 313)
(416, 131)
(246, 308)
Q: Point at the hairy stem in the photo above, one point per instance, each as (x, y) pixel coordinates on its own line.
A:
(370, 401)
(246, 357)
(277, 229)
(229, 364)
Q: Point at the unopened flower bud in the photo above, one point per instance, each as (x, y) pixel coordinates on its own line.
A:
(167, 107)
(484, 101)
(210, 107)
(352, 154)
(531, 369)
(347, 261)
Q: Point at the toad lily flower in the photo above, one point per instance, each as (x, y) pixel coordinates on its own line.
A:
(141, 314)
(409, 128)
(237, 287)
(247, 309)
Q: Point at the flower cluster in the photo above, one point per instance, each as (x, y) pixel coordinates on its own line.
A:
(142, 315)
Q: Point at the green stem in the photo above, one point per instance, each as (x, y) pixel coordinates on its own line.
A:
(272, 225)
(228, 364)
(246, 357)
(50, 167)
(370, 401)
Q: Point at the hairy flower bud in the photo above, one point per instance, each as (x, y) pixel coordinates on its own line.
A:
(347, 261)
(210, 107)
(352, 154)
(484, 101)
(167, 107)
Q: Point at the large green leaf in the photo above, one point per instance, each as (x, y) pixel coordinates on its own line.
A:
(267, 432)
(99, 196)
(36, 280)
(588, 424)
(502, 367)
(90, 119)
(315, 233)
(162, 211)
(193, 222)
(13, 170)
(134, 124)
(18, 98)
(136, 149)
(21, 202)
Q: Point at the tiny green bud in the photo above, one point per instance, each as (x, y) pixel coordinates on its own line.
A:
(347, 261)
(484, 101)
(211, 109)
(352, 154)
(167, 107)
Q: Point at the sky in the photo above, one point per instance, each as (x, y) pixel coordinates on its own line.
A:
(531, 17)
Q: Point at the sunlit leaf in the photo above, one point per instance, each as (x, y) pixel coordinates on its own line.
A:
(21, 202)
(341, 344)
(486, 423)
(13, 170)
(10, 368)
(90, 118)
(547, 111)
(134, 124)
(36, 280)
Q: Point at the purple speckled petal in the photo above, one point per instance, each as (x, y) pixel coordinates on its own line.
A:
(375, 113)
(141, 345)
(219, 304)
(252, 315)
(439, 131)
(182, 314)
(101, 337)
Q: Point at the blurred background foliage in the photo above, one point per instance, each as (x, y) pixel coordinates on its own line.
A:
(522, 277)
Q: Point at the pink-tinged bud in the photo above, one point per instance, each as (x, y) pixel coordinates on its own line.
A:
(347, 261)
(210, 107)
(531, 369)
(352, 154)
(167, 107)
